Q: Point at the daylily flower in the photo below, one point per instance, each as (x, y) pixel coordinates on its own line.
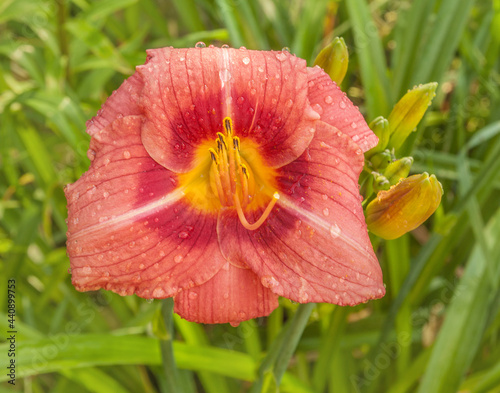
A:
(224, 178)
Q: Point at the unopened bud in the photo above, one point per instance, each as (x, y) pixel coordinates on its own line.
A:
(380, 127)
(334, 59)
(404, 206)
(408, 112)
(381, 160)
(398, 169)
(380, 182)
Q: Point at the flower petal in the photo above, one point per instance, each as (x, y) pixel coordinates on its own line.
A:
(129, 230)
(189, 91)
(122, 102)
(314, 247)
(232, 295)
(267, 100)
(336, 109)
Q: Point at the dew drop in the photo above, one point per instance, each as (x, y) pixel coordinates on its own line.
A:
(326, 212)
(328, 99)
(289, 103)
(342, 105)
(87, 270)
(245, 60)
(105, 194)
(183, 235)
(224, 75)
(285, 49)
(149, 301)
(193, 295)
(131, 244)
(281, 56)
(240, 100)
(69, 271)
(234, 324)
(335, 231)
(126, 154)
(253, 91)
(354, 125)
(158, 292)
(200, 44)
(261, 69)
(178, 258)
(269, 282)
(325, 197)
(225, 46)
(318, 108)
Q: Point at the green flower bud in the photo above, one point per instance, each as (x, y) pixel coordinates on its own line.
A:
(408, 112)
(380, 127)
(398, 169)
(334, 59)
(381, 160)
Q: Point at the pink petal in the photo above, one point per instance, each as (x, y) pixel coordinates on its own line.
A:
(122, 102)
(268, 103)
(314, 247)
(336, 109)
(189, 91)
(129, 229)
(232, 295)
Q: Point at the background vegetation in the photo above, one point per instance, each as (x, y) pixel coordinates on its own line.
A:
(438, 327)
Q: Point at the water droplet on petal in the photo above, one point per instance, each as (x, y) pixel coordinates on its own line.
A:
(200, 44)
(326, 212)
(149, 301)
(183, 235)
(335, 231)
(234, 324)
(289, 103)
(178, 258)
(354, 125)
(225, 46)
(328, 99)
(269, 282)
(224, 75)
(87, 270)
(126, 154)
(240, 100)
(318, 108)
(342, 105)
(245, 60)
(281, 56)
(193, 295)
(285, 49)
(253, 91)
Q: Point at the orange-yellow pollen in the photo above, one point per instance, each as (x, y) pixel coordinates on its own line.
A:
(230, 177)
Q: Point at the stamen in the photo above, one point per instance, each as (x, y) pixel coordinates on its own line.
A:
(228, 126)
(262, 219)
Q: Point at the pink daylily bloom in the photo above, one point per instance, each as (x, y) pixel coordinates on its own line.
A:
(225, 178)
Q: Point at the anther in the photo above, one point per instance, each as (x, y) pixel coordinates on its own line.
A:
(228, 125)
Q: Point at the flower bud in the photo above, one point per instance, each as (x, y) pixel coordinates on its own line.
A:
(334, 59)
(381, 160)
(380, 127)
(408, 112)
(380, 182)
(398, 169)
(404, 206)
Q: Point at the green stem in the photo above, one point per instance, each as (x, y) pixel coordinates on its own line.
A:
(167, 352)
(297, 327)
(283, 347)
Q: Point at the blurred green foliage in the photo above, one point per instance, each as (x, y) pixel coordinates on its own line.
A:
(438, 327)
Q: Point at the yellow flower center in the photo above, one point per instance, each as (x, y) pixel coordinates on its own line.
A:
(231, 174)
